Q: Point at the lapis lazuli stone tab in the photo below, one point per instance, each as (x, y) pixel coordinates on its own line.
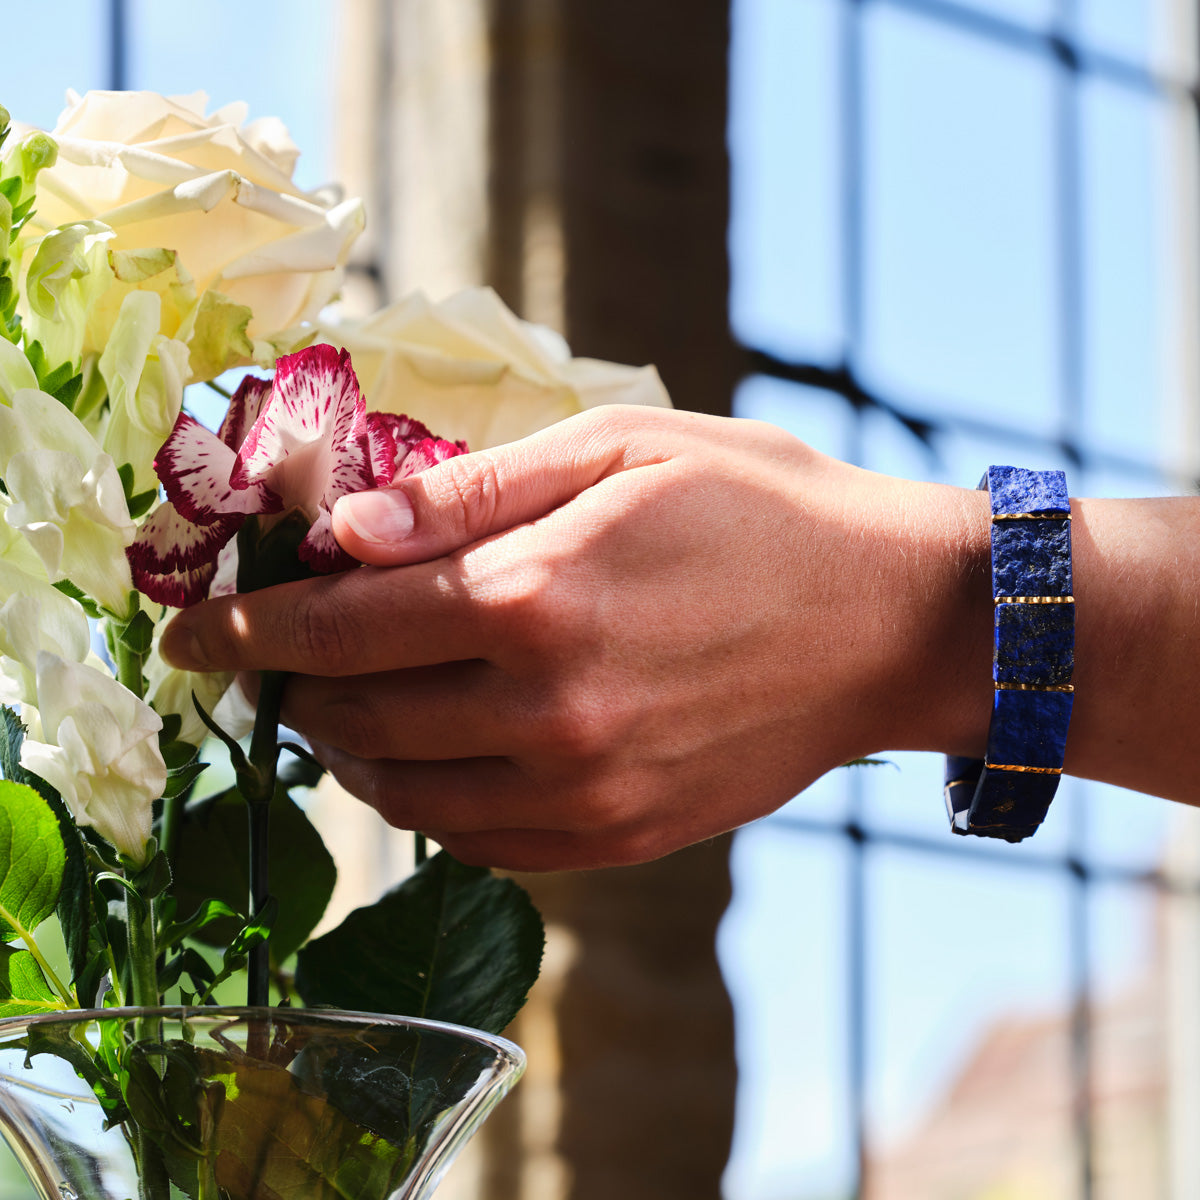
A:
(1029, 729)
(1019, 490)
(1031, 558)
(1009, 805)
(1035, 644)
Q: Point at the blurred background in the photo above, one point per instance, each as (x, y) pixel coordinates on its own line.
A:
(923, 235)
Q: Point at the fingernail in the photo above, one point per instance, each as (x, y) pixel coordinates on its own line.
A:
(181, 647)
(384, 515)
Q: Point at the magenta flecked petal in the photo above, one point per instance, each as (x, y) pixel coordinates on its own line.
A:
(406, 430)
(172, 560)
(195, 466)
(425, 454)
(381, 447)
(315, 417)
(225, 581)
(320, 548)
(167, 541)
(243, 410)
(179, 589)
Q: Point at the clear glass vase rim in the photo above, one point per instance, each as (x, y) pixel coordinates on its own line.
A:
(500, 1045)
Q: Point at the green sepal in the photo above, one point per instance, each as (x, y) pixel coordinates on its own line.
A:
(451, 943)
(136, 634)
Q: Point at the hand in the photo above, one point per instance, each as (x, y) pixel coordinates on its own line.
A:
(629, 632)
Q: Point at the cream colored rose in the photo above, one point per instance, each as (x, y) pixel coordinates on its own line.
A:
(202, 211)
(470, 369)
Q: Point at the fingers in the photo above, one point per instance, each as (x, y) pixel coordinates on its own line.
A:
(354, 623)
(465, 499)
(459, 710)
(464, 795)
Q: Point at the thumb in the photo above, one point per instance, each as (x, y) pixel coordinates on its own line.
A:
(467, 498)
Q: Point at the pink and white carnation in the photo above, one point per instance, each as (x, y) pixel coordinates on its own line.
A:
(296, 444)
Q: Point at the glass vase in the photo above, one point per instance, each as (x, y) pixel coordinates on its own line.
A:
(243, 1104)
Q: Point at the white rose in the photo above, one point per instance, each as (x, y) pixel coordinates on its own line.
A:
(203, 211)
(472, 370)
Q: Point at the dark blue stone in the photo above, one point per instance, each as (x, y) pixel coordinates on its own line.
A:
(1019, 490)
(1031, 558)
(1029, 729)
(1035, 643)
(1010, 805)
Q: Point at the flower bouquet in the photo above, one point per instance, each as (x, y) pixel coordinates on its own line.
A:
(153, 852)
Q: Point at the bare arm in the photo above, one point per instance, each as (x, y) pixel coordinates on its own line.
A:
(639, 628)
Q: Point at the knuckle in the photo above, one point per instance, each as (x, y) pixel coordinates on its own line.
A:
(323, 637)
(471, 493)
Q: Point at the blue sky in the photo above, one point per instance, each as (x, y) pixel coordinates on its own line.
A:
(960, 309)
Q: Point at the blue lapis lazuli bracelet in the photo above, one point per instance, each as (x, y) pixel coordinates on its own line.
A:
(1007, 794)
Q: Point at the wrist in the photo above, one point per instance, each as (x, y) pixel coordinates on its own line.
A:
(947, 671)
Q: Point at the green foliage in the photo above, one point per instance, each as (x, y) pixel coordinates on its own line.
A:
(17, 193)
(32, 860)
(452, 943)
(23, 987)
(63, 381)
(212, 862)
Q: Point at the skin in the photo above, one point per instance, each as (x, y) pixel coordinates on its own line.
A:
(641, 628)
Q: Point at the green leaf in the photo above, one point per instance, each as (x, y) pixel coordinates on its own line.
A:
(32, 859)
(23, 987)
(452, 943)
(212, 862)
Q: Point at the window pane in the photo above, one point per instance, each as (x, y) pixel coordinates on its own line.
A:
(960, 258)
(1123, 139)
(1136, 968)
(783, 948)
(280, 63)
(1123, 28)
(785, 230)
(1035, 14)
(969, 1033)
(41, 61)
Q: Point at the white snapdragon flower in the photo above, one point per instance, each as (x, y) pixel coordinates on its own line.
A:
(35, 618)
(66, 498)
(96, 743)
